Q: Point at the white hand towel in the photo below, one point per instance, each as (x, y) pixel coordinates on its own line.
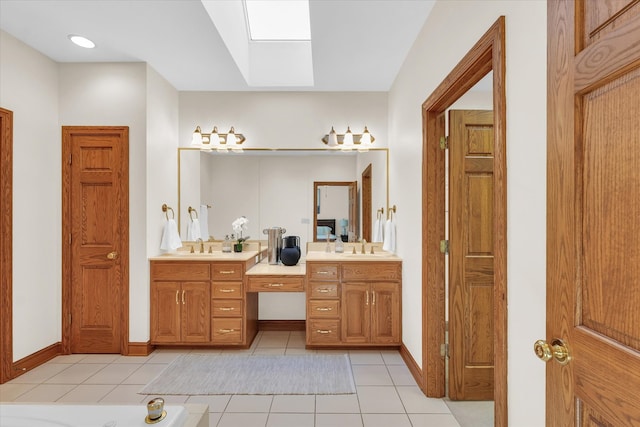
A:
(193, 230)
(389, 244)
(170, 237)
(204, 224)
(378, 231)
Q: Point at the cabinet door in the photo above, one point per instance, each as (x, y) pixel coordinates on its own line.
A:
(356, 313)
(385, 313)
(165, 312)
(195, 300)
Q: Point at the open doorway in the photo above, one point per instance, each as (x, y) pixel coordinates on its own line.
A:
(485, 57)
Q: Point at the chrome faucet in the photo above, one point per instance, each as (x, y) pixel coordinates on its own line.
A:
(201, 244)
(364, 243)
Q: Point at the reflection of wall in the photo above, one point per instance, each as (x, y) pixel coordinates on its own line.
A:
(269, 190)
(334, 203)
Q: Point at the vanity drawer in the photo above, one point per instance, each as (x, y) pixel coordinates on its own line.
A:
(275, 284)
(371, 271)
(226, 290)
(323, 331)
(226, 308)
(226, 271)
(323, 290)
(227, 331)
(179, 271)
(324, 308)
(323, 271)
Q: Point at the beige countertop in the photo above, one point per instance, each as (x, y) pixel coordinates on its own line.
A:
(214, 256)
(266, 269)
(349, 256)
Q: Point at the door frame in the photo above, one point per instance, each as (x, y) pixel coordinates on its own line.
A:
(6, 245)
(488, 54)
(366, 209)
(66, 232)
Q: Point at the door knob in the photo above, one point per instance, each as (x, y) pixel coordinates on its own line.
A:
(112, 255)
(558, 350)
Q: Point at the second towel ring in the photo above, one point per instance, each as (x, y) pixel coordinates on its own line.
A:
(165, 209)
(190, 210)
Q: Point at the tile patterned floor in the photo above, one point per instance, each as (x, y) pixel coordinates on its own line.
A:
(387, 394)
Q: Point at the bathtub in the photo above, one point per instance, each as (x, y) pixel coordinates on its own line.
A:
(60, 415)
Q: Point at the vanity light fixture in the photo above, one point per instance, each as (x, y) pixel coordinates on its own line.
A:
(217, 141)
(349, 140)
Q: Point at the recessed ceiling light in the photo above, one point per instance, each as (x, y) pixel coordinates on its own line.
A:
(278, 20)
(81, 41)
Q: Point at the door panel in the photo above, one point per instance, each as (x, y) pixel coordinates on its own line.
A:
(471, 258)
(385, 303)
(196, 311)
(97, 218)
(165, 313)
(593, 228)
(356, 313)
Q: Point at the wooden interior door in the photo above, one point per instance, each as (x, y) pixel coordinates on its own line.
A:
(367, 223)
(471, 255)
(593, 219)
(95, 215)
(6, 245)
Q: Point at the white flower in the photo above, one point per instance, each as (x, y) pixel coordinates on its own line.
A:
(240, 225)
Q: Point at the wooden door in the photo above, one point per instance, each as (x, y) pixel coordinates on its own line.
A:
(353, 209)
(367, 209)
(6, 245)
(471, 255)
(593, 214)
(166, 311)
(195, 300)
(385, 313)
(356, 313)
(95, 215)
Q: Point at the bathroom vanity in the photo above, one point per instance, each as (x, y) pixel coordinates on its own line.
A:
(211, 299)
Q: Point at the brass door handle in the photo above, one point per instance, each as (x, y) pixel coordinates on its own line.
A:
(112, 255)
(557, 350)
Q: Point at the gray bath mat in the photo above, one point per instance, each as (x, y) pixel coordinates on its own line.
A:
(202, 374)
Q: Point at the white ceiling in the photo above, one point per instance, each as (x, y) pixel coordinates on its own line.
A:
(357, 45)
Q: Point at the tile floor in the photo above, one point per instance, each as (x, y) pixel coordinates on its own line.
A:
(387, 394)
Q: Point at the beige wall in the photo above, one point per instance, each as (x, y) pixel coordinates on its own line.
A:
(428, 63)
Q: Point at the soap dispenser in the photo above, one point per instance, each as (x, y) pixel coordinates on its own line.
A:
(339, 245)
(226, 245)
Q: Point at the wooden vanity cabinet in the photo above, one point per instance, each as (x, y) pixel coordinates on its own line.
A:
(180, 303)
(204, 303)
(354, 303)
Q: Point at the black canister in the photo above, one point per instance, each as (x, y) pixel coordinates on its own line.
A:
(290, 252)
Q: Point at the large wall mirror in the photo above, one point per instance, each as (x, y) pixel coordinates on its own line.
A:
(275, 188)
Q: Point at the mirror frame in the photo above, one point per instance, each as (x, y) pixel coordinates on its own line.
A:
(284, 150)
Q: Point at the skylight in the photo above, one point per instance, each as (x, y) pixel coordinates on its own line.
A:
(277, 20)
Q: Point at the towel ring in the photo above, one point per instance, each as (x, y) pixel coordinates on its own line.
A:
(166, 208)
(194, 211)
(392, 211)
(380, 213)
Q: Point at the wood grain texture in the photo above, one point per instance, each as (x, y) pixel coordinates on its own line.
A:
(6, 246)
(488, 54)
(84, 218)
(36, 359)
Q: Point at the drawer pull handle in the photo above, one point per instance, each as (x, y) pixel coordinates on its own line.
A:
(323, 272)
(323, 331)
(227, 271)
(324, 308)
(324, 290)
(226, 331)
(227, 291)
(226, 308)
(275, 285)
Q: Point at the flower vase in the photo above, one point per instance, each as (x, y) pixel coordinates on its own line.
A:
(237, 247)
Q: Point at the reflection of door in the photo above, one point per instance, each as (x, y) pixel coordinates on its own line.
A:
(366, 204)
(593, 211)
(95, 216)
(471, 255)
(353, 209)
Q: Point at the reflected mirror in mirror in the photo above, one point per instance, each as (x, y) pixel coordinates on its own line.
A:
(272, 188)
(336, 211)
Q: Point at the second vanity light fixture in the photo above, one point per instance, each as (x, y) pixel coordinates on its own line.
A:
(349, 140)
(214, 140)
